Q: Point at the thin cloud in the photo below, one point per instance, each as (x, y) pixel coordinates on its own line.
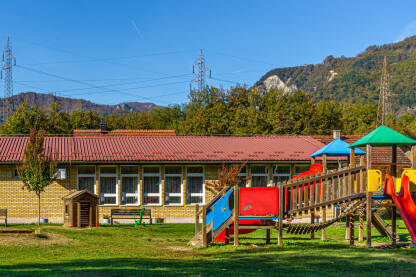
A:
(407, 31)
(139, 34)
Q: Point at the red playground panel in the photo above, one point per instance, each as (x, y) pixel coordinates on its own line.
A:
(259, 201)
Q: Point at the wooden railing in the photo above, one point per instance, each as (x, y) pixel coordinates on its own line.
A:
(323, 189)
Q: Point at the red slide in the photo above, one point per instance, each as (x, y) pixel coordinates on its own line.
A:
(404, 203)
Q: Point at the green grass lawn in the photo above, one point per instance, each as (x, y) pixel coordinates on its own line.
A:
(161, 249)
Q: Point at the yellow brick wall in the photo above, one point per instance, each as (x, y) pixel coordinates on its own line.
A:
(23, 204)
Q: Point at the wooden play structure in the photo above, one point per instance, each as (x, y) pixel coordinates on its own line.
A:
(81, 209)
(352, 189)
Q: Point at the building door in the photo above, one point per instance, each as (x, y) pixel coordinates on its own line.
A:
(84, 214)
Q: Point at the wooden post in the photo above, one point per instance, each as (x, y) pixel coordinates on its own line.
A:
(351, 176)
(90, 215)
(313, 160)
(79, 214)
(361, 226)
(347, 227)
(352, 157)
(368, 195)
(393, 167)
(362, 179)
(227, 236)
(352, 229)
(312, 222)
(323, 221)
(204, 226)
(236, 214)
(196, 219)
(324, 163)
(281, 206)
(97, 216)
(413, 158)
(267, 236)
(393, 225)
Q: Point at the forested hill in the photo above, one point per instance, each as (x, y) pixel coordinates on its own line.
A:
(354, 79)
(69, 104)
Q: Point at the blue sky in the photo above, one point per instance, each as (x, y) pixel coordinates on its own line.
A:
(119, 51)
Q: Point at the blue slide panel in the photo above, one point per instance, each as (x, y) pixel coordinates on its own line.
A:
(221, 211)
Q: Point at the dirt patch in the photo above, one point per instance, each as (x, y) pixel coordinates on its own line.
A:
(32, 239)
(178, 248)
(167, 239)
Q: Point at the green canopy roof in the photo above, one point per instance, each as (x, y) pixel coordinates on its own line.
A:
(383, 136)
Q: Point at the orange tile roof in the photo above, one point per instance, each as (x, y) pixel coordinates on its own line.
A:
(166, 148)
(123, 132)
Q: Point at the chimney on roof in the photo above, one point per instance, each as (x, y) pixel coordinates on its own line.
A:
(336, 134)
(103, 126)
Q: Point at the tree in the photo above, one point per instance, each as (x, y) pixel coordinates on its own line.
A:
(58, 121)
(38, 169)
(24, 119)
(227, 177)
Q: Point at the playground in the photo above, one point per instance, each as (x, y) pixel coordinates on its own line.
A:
(358, 189)
(161, 249)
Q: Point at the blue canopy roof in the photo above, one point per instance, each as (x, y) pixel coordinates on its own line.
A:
(337, 148)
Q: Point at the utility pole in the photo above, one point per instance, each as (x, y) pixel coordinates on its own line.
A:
(384, 100)
(8, 61)
(201, 69)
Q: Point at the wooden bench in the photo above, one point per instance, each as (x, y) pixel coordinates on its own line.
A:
(3, 213)
(130, 214)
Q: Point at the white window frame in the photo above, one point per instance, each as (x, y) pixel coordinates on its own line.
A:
(261, 174)
(88, 175)
(282, 174)
(151, 193)
(174, 194)
(138, 185)
(108, 194)
(244, 175)
(203, 184)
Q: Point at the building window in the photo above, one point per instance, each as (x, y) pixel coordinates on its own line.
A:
(281, 173)
(86, 178)
(300, 169)
(130, 185)
(259, 176)
(195, 185)
(243, 175)
(15, 174)
(151, 185)
(108, 185)
(173, 185)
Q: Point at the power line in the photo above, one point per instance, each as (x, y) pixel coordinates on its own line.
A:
(105, 60)
(125, 93)
(109, 58)
(227, 81)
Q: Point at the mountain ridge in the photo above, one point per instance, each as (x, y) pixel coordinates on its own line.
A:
(353, 79)
(69, 105)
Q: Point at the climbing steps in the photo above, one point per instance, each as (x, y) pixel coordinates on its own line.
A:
(382, 227)
(310, 228)
(197, 240)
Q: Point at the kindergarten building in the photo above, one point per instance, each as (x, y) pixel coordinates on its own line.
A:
(165, 173)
